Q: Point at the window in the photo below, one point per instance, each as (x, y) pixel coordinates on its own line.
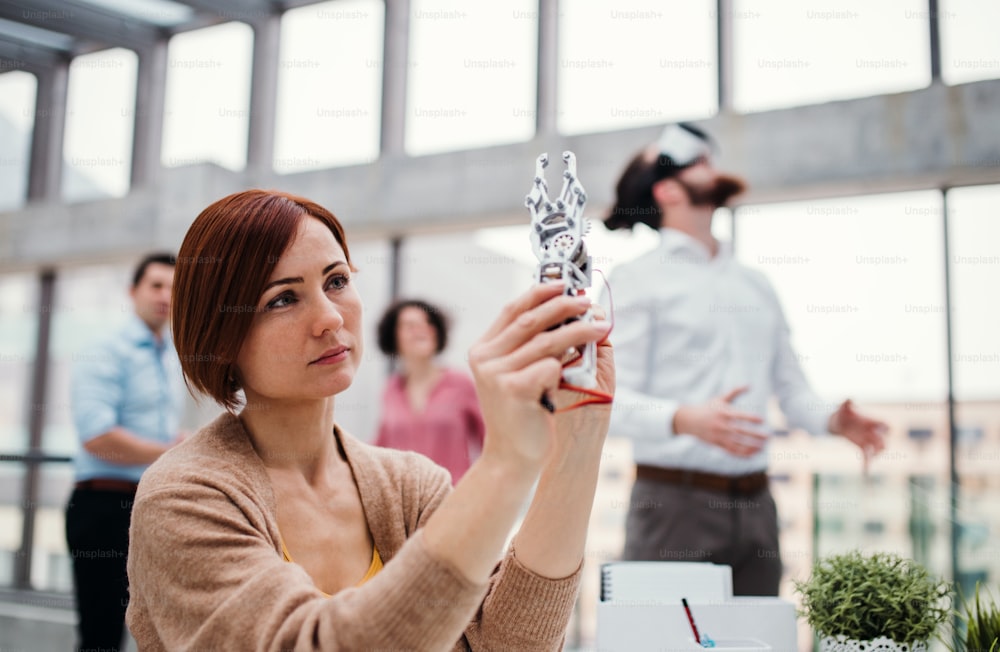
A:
(861, 283)
(969, 47)
(18, 326)
(969, 434)
(639, 62)
(479, 88)
(873, 527)
(329, 85)
(17, 119)
(100, 117)
(789, 53)
(208, 97)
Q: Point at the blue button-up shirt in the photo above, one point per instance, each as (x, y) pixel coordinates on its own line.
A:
(126, 379)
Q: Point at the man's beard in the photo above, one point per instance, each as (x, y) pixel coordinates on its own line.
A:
(716, 195)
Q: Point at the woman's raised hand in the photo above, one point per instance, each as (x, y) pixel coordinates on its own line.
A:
(518, 360)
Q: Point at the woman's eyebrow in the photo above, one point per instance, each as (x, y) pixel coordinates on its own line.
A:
(298, 279)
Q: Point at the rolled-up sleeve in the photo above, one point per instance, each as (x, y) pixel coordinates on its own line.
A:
(96, 392)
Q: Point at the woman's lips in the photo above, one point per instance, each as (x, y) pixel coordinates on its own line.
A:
(332, 356)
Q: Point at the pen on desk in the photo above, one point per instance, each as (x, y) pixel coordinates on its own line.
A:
(687, 610)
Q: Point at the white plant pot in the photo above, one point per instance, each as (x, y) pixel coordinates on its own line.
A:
(881, 644)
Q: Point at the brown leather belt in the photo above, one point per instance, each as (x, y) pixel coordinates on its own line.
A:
(108, 484)
(731, 484)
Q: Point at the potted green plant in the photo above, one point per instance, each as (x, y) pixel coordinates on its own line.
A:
(873, 602)
(982, 624)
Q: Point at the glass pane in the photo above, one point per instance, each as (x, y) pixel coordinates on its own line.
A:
(479, 88)
(970, 50)
(897, 511)
(975, 275)
(18, 335)
(89, 301)
(51, 568)
(861, 283)
(624, 64)
(11, 519)
(208, 96)
(327, 49)
(17, 119)
(100, 109)
(979, 522)
(789, 53)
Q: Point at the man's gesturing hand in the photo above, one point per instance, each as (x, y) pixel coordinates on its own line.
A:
(718, 423)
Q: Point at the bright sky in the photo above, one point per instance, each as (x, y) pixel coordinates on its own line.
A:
(471, 83)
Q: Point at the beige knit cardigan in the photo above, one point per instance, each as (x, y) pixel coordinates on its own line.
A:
(206, 571)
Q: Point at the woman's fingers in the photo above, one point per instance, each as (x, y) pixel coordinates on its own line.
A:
(549, 344)
(533, 380)
(552, 312)
(539, 293)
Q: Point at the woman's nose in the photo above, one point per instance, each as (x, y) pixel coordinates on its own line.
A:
(328, 317)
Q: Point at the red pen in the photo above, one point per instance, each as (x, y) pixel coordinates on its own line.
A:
(687, 610)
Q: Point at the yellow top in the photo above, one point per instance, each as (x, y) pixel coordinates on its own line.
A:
(374, 568)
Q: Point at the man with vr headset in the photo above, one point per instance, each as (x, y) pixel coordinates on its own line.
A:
(701, 345)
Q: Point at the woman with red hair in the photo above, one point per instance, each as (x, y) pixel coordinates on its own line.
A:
(272, 528)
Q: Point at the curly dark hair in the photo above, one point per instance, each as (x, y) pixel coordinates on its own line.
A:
(390, 319)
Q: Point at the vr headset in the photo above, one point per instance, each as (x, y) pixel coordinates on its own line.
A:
(681, 145)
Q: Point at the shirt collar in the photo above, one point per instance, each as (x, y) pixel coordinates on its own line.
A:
(139, 333)
(678, 244)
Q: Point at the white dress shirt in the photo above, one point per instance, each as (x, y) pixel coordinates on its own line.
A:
(689, 327)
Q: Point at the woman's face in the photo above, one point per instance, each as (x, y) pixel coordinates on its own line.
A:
(305, 341)
(415, 336)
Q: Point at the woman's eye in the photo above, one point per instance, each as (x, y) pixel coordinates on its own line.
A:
(337, 282)
(280, 301)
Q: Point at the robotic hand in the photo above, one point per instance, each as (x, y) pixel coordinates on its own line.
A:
(557, 231)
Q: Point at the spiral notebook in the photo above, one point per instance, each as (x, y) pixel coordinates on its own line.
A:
(665, 582)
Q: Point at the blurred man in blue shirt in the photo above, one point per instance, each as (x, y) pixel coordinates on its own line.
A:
(127, 398)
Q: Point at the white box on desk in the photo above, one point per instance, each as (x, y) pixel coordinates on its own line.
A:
(641, 610)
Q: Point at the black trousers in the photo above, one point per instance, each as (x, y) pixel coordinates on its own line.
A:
(674, 523)
(97, 533)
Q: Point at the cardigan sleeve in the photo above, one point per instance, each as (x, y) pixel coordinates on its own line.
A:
(522, 610)
(205, 575)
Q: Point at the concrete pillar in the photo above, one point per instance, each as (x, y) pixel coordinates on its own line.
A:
(395, 69)
(724, 34)
(546, 100)
(45, 168)
(263, 94)
(150, 94)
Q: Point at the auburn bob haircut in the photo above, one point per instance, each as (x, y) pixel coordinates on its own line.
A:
(224, 263)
